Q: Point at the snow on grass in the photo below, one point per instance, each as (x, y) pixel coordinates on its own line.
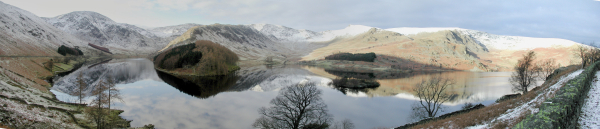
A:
(26, 115)
(531, 106)
(27, 106)
(590, 115)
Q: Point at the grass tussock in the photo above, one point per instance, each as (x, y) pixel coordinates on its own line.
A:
(489, 113)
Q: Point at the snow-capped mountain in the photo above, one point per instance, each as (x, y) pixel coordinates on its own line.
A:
(98, 29)
(22, 33)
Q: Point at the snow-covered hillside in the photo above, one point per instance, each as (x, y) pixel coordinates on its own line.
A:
(503, 42)
(98, 29)
(493, 41)
(22, 33)
(286, 34)
(172, 31)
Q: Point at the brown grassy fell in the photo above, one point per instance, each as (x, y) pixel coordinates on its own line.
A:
(448, 49)
(200, 58)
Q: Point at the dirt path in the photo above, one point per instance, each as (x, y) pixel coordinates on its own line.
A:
(590, 115)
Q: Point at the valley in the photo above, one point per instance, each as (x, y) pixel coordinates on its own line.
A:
(63, 71)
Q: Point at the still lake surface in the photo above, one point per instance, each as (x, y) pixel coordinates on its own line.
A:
(232, 102)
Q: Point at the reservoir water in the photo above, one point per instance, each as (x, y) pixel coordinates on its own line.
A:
(232, 102)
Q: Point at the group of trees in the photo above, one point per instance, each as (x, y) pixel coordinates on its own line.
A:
(99, 110)
(367, 57)
(527, 71)
(298, 107)
(202, 56)
(178, 57)
(587, 55)
(64, 50)
(348, 82)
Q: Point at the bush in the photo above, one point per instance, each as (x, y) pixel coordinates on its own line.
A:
(368, 57)
(178, 57)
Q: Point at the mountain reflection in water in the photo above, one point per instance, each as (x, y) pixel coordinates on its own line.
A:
(152, 97)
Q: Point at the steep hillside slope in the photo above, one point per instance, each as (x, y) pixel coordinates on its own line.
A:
(98, 29)
(25, 34)
(247, 42)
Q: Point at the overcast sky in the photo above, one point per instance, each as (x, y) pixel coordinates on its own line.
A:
(577, 20)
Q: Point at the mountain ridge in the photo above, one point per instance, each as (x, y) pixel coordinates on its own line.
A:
(22, 32)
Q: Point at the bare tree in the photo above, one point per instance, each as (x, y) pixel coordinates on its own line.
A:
(581, 52)
(592, 55)
(432, 93)
(113, 94)
(96, 111)
(295, 107)
(545, 68)
(524, 75)
(79, 89)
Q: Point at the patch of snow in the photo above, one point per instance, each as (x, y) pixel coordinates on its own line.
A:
(590, 115)
(257, 88)
(413, 30)
(483, 126)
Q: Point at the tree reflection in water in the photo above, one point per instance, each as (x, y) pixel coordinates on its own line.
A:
(295, 107)
(200, 87)
(431, 93)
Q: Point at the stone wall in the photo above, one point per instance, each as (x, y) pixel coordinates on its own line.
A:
(563, 110)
